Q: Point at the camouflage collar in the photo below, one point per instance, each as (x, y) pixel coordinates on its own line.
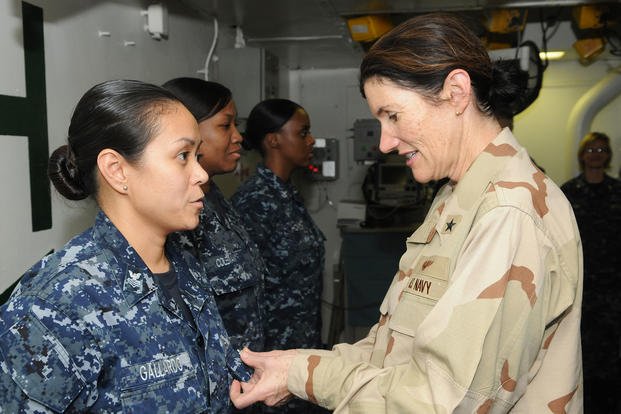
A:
(485, 167)
(214, 204)
(463, 195)
(194, 287)
(284, 189)
(133, 274)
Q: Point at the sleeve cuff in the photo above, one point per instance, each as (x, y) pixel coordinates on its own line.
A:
(300, 378)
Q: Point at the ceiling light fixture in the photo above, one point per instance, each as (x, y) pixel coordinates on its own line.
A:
(552, 55)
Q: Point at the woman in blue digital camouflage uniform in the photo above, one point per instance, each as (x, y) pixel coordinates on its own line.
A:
(117, 320)
(291, 243)
(233, 264)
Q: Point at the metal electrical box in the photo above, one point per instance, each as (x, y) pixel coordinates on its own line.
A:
(324, 165)
(251, 74)
(366, 140)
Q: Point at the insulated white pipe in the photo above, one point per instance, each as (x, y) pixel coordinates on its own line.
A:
(211, 49)
(589, 105)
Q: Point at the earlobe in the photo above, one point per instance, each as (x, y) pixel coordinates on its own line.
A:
(112, 166)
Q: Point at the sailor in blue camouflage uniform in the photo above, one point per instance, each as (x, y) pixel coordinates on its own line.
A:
(88, 329)
(232, 262)
(235, 270)
(93, 327)
(596, 200)
(293, 248)
(291, 243)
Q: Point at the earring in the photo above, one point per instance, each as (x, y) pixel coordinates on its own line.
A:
(458, 113)
(124, 188)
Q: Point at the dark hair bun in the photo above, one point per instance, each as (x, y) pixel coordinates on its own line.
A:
(512, 88)
(63, 174)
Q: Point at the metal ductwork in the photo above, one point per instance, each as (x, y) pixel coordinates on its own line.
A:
(590, 104)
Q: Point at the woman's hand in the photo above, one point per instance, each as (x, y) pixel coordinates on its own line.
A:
(269, 381)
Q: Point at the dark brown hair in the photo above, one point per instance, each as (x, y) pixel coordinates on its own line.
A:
(421, 52)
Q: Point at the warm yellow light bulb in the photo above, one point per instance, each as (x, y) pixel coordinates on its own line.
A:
(552, 55)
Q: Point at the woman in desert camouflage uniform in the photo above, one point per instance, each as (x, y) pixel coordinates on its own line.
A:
(483, 314)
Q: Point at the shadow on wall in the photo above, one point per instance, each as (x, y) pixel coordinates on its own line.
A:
(4, 296)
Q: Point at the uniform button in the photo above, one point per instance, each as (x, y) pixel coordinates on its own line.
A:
(200, 342)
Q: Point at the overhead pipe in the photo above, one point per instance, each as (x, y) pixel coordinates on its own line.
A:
(293, 38)
(589, 105)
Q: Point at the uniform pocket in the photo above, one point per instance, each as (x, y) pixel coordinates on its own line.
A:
(231, 268)
(410, 313)
(427, 284)
(162, 384)
(40, 364)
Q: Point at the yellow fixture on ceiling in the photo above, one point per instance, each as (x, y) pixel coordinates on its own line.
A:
(368, 28)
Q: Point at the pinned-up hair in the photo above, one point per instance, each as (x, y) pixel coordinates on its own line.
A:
(122, 115)
(421, 52)
(267, 116)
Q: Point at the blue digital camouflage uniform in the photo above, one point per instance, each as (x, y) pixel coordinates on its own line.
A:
(293, 249)
(233, 266)
(598, 212)
(87, 329)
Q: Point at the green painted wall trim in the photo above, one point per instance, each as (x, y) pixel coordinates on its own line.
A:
(28, 116)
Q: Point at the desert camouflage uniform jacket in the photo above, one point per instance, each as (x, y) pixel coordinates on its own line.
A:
(87, 329)
(293, 249)
(234, 268)
(483, 315)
